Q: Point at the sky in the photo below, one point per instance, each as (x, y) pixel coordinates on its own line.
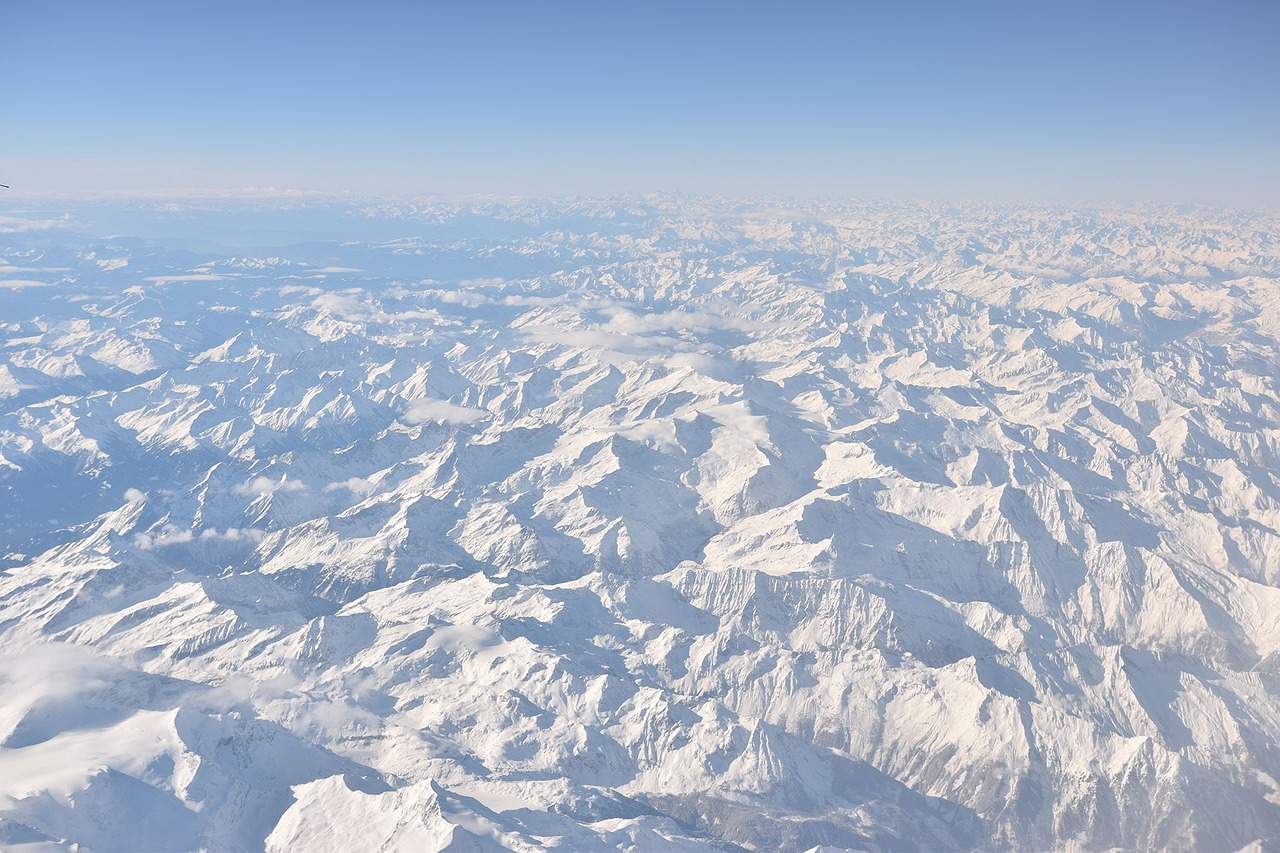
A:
(1172, 101)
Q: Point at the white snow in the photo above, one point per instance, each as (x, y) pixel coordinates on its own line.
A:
(833, 526)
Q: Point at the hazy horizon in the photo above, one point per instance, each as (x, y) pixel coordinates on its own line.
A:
(1168, 102)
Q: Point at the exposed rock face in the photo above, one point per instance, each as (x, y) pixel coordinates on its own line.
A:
(644, 524)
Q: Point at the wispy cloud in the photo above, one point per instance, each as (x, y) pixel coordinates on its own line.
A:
(358, 485)
(429, 410)
(165, 279)
(259, 486)
(171, 534)
(17, 224)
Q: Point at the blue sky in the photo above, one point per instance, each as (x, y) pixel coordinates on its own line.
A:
(1084, 100)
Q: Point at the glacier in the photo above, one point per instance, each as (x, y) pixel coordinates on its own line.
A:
(642, 523)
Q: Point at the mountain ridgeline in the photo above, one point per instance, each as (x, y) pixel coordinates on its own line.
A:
(648, 523)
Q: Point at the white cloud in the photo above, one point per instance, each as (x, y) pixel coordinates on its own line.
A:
(15, 225)
(233, 534)
(7, 269)
(171, 534)
(442, 411)
(55, 671)
(521, 301)
(259, 486)
(345, 304)
(165, 279)
(700, 362)
(611, 347)
(432, 315)
(359, 485)
(461, 297)
(135, 495)
(630, 322)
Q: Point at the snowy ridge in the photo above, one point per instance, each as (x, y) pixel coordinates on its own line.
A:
(644, 524)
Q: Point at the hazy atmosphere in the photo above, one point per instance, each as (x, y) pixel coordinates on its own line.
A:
(1171, 101)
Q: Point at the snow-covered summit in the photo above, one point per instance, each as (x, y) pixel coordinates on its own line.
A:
(641, 524)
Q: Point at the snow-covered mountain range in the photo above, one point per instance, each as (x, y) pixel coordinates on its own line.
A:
(645, 524)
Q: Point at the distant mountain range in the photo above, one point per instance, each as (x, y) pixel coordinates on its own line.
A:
(649, 523)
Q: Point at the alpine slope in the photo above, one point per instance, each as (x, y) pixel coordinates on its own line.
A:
(648, 523)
